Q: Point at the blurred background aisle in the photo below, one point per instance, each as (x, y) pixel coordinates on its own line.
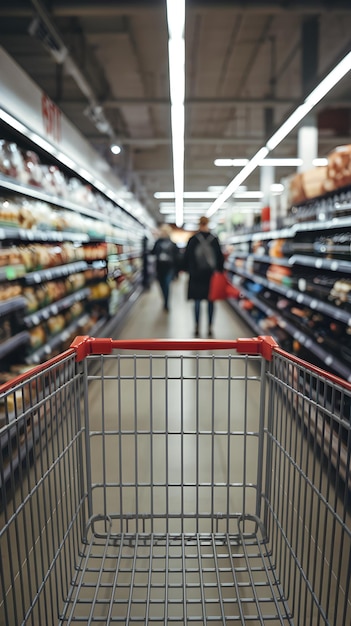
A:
(148, 319)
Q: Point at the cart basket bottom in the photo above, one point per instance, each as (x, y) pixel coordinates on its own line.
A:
(175, 578)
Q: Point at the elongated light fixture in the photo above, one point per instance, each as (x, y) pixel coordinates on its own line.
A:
(176, 60)
(316, 95)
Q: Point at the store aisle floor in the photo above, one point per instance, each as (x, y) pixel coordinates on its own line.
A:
(147, 318)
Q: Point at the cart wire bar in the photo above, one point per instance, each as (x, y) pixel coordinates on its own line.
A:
(175, 481)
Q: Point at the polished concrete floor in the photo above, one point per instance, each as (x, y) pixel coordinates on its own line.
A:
(148, 319)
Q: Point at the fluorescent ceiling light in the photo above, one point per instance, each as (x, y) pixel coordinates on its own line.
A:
(190, 195)
(293, 162)
(115, 148)
(238, 180)
(187, 205)
(282, 162)
(277, 188)
(164, 195)
(230, 162)
(293, 120)
(216, 188)
(329, 81)
(248, 194)
(210, 195)
(320, 162)
(176, 18)
(288, 126)
(176, 58)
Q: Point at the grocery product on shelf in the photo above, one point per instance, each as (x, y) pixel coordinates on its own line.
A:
(299, 277)
(56, 235)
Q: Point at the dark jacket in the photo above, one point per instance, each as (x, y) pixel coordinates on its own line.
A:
(166, 253)
(199, 280)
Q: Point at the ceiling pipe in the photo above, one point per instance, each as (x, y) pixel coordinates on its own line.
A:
(44, 29)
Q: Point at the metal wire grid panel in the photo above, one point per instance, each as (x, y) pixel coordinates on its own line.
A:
(308, 488)
(150, 513)
(175, 440)
(42, 493)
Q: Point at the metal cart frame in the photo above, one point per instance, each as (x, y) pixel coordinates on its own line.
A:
(165, 481)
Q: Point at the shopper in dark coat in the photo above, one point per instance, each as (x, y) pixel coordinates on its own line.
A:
(199, 277)
(166, 253)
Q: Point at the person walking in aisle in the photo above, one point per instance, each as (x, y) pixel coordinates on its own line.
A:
(166, 253)
(202, 256)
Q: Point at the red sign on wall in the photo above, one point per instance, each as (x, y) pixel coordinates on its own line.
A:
(51, 115)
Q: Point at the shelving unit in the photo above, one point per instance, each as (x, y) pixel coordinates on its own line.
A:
(86, 282)
(105, 233)
(63, 216)
(296, 284)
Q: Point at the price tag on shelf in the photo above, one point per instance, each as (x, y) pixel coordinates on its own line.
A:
(11, 273)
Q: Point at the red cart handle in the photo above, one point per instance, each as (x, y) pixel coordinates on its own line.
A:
(85, 345)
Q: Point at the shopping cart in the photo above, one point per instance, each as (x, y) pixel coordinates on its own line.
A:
(190, 482)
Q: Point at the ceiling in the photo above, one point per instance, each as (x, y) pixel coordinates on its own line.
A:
(247, 65)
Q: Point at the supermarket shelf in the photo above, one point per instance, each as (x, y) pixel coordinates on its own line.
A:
(20, 234)
(39, 194)
(12, 272)
(302, 338)
(12, 305)
(313, 303)
(264, 258)
(291, 231)
(55, 342)
(13, 343)
(55, 307)
(53, 273)
(258, 236)
(333, 265)
(111, 328)
(245, 316)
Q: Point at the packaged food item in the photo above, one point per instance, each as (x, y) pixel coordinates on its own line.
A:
(11, 161)
(9, 213)
(100, 291)
(339, 167)
(5, 328)
(32, 168)
(37, 337)
(314, 181)
(31, 298)
(56, 323)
